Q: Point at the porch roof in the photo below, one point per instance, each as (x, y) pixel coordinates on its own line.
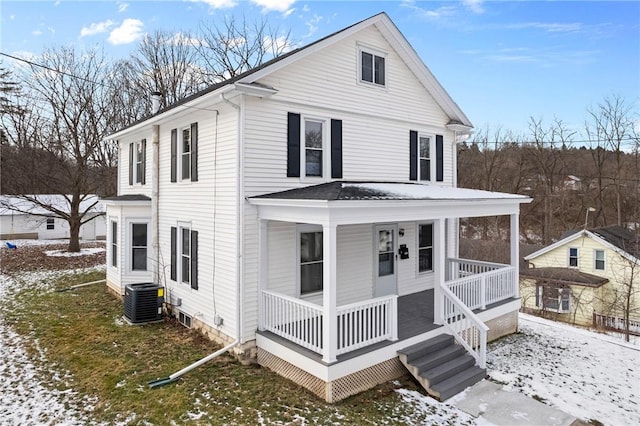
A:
(345, 202)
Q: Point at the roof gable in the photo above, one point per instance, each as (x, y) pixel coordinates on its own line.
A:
(613, 238)
(389, 31)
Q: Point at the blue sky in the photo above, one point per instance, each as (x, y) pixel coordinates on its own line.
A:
(501, 61)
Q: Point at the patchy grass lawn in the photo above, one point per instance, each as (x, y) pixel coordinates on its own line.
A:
(82, 332)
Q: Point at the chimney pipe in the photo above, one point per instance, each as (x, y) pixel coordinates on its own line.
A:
(155, 102)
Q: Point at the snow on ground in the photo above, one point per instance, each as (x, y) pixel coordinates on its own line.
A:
(82, 252)
(26, 242)
(586, 374)
(24, 399)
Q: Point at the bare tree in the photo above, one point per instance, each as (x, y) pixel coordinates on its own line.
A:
(58, 141)
(235, 46)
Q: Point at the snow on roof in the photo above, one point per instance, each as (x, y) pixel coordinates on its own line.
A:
(430, 192)
(9, 204)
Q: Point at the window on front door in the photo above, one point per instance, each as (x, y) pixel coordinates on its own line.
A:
(425, 247)
(386, 253)
(311, 261)
(139, 246)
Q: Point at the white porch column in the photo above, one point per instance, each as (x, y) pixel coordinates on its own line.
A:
(263, 263)
(515, 251)
(440, 264)
(329, 275)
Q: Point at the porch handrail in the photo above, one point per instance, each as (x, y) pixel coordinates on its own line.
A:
(478, 262)
(364, 323)
(296, 320)
(466, 327)
(459, 268)
(479, 290)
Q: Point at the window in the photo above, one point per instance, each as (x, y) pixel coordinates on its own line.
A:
(311, 264)
(313, 148)
(140, 163)
(425, 247)
(185, 154)
(372, 68)
(425, 157)
(553, 298)
(599, 258)
(185, 255)
(139, 246)
(573, 257)
(114, 244)
(51, 223)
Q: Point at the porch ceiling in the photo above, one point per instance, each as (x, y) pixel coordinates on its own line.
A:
(342, 203)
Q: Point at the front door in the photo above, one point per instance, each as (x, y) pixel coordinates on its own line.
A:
(385, 259)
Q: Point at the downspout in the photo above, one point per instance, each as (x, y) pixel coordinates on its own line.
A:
(155, 193)
(175, 376)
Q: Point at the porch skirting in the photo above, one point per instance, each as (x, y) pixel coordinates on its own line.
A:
(338, 389)
(502, 326)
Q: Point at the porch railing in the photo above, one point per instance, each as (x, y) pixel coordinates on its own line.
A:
(465, 326)
(365, 323)
(460, 268)
(476, 290)
(294, 319)
(359, 324)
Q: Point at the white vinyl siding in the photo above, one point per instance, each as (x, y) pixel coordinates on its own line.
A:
(123, 164)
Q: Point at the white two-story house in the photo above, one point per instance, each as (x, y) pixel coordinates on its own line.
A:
(305, 214)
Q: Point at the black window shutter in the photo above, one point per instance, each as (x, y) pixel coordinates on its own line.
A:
(336, 149)
(413, 155)
(174, 254)
(194, 260)
(131, 164)
(194, 152)
(144, 160)
(293, 145)
(439, 159)
(174, 155)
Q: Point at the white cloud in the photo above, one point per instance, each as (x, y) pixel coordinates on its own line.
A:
(129, 31)
(312, 25)
(279, 44)
(274, 5)
(474, 5)
(122, 6)
(96, 28)
(36, 33)
(551, 27)
(218, 4)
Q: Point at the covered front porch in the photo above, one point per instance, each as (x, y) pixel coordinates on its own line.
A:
(382, 259)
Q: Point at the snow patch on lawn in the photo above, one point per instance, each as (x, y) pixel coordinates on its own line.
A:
(586, 374)
(82, 252)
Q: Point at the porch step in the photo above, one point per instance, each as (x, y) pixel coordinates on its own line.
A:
(441, 366)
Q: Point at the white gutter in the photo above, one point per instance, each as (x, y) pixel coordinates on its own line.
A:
(155, 193)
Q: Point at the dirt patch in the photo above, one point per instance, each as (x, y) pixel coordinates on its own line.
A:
(33, 258)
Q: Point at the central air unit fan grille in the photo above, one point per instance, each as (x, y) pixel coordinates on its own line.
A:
(143, 302)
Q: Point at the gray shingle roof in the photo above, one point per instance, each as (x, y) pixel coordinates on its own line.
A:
(128, 197)
(565, 276)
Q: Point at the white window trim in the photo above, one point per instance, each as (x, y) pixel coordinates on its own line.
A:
(540, 290)
(300, 229)
(179, 167)
(432, 159)
(417, 246)
(138, 155)
(111, 244)
(180, 226)
(376, 52)
(577, 258)
(326, 149)
(129, 244)
(595, 259)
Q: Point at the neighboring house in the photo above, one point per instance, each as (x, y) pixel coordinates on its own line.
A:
(23, 219)
(572, 183)
(590, 277)
(305, 213)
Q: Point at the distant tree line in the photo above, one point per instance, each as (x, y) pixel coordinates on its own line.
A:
(576, 178)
